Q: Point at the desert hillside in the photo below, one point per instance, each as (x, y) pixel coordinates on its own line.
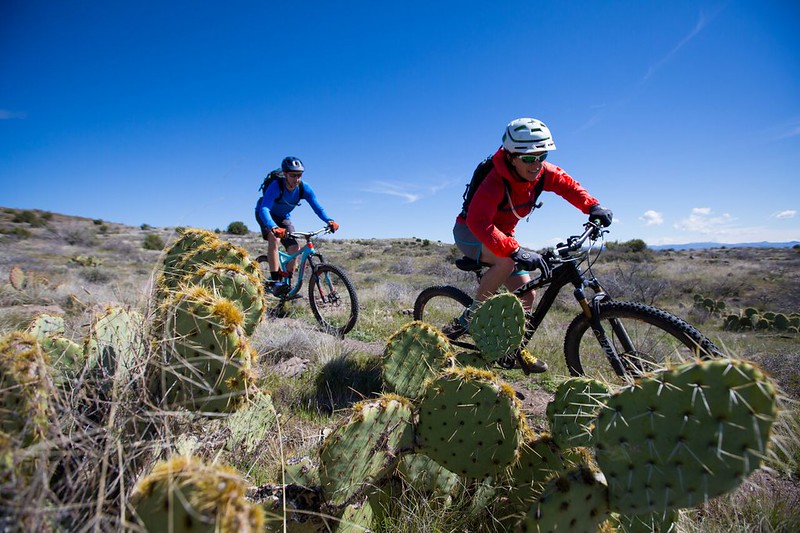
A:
(79, 268)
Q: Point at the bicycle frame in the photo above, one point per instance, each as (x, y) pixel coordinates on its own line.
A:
(305, 253)
(567, 273)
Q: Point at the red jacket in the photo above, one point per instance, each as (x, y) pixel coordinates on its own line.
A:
(495, 227)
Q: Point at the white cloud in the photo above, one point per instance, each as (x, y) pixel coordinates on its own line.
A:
(703, 221)
(652, 218)
(789, 213)
(409, 192)
(390, 189)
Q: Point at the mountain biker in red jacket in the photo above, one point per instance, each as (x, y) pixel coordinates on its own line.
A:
(505, 197)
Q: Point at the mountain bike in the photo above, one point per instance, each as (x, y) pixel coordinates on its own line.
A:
(633, 338)
(331, 295)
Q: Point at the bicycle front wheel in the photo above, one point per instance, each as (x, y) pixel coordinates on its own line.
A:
(333, 299)
(441, 306)
(645, 338)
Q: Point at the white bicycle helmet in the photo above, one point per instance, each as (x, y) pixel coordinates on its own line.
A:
(527, 135)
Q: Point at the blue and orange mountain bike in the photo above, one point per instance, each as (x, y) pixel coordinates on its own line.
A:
(331, 295)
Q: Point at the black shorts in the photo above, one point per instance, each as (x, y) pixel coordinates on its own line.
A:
(285, 224)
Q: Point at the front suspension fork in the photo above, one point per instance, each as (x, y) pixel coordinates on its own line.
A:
(591, 310)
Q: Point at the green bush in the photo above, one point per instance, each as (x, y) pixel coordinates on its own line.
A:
(237, 228)
(28, 216)
(153, 242)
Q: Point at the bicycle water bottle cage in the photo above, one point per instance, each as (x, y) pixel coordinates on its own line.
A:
(468, 265)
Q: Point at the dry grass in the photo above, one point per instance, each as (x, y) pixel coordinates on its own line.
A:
(108, 441)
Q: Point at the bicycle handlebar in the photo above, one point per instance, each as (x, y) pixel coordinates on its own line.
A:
(574, 243)
(307, 235)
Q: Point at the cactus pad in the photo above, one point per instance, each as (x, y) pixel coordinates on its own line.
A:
(571, 412)
(207, 361)
(251, 424)
(114, 343)
(414, 354)
(360, 453)
(684, 436)
(427, 476)
(185, 494)
(498, 326)
(470, 422)
(24, 389)
(575, 501)
(45, 325)
(540, 459)
(232, 282)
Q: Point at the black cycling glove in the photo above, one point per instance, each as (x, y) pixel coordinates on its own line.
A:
(531, 261)
(601, 214)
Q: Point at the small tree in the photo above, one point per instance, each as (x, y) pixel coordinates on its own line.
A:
(237, 228)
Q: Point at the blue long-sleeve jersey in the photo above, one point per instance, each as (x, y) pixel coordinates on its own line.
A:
(269, 207)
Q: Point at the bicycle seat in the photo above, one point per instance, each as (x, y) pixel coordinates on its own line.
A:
(469, 265)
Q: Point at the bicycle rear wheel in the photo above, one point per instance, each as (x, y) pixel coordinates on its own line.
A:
(441, 306)
(646, 339)
(333, 299)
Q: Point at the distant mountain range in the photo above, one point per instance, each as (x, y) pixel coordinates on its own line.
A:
(704, 245)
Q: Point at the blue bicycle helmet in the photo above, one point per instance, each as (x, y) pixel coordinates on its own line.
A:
(292, 164)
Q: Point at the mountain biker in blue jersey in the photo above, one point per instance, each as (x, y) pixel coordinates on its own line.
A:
(273, 212)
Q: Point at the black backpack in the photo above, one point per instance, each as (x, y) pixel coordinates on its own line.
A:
(480, 173)
(278, 175)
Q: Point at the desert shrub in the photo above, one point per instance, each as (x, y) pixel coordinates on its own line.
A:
(153, 242)
(237, 228)
(145, 227)
(28, 217)
(78, 234)
(19, 233)
(96, 275)
(637, 282)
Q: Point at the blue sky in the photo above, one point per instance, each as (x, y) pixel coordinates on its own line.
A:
(682, 117)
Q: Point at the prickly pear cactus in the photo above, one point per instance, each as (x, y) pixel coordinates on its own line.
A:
(498, 325)
(25, 389)
(576, 501)
(16, 276)
(414, 354)
(360, 453)
(427, 476)
(683, 436)
(45, 325)
(65, 357)
(234, 283)
(216, 252)
(115, 342)
(473, 359)
(252, 423)
(206, 359)
(190, 239)
(470, 422)
(540, 459)
(185, 494)
(572, 411)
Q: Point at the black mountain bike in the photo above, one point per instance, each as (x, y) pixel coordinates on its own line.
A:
(633, 338)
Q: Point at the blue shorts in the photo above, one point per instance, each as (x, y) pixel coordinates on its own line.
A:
(467, 242)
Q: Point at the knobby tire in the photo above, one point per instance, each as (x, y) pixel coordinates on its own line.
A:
(440, 306)
(332, 299)
(659, 338)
